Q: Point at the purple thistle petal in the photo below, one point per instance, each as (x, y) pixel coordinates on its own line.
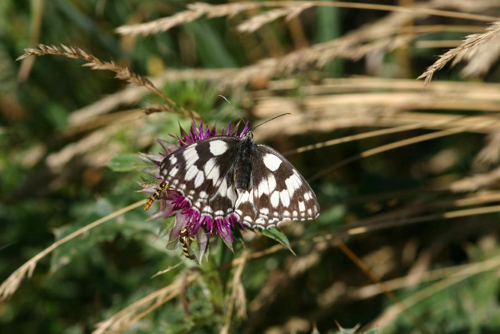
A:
(173, 203)
(149, 190)
(166, 209)
(201, 126)
(202, 239)
(244, 131)
(182, 133)
(167, 146)
(180, 222)
(155, 158)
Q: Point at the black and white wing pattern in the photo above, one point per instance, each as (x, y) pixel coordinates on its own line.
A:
(201, 172)
(277, 192)
(225, 176)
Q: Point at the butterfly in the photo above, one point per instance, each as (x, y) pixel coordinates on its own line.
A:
(226, 176)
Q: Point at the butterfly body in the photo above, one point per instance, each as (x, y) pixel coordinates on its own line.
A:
(243, 163)
(225, 176)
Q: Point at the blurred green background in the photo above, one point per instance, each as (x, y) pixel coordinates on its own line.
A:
(428, 210)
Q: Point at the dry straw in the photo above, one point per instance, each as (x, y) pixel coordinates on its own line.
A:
(122, 73)
(472, 46)
(410, 281)
(131, 95)
(490, 154)
(157, 108)
(392, 146)
(194, 12)
(138, 310)
(476, 182)
(146, 305)
(237, 295)
(475, 6)
(198, 10)
(386, 34)
(257, 21)
(351, 45)
(390, 314)
(12, 283)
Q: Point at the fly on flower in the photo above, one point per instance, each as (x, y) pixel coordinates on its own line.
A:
(214, 182)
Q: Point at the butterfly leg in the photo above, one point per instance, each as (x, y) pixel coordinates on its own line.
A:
(161, 188)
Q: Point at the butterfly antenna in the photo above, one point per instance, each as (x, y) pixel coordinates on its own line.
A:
(233, 108)
(269, 120)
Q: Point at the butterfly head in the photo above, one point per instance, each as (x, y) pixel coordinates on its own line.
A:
(248, 135)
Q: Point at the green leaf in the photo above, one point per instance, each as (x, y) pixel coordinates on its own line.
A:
(372, 331)
(276, 234)
(347, 330)
(124, 162)
(355, 331)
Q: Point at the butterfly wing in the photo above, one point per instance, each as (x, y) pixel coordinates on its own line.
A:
(201, 172)
(277, 192)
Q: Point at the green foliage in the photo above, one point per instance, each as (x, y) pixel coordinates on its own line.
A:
(59, 175)
(279, 236)
(124, 163)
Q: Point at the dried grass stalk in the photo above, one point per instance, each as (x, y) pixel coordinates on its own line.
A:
(122, 73)
(161, 25)
(198, 10)
(236, 294)
(395, 145)
(132, 95)
(375, 37)
(392, 312)
(56, 161)
(240, 302)
(480, 181)
(12, 283)
(471, 47)
(490, 154)
(320, 54)
(416, 220)
(138, 310)
(409, 281)
(257, 21)
(157, 108)
(316, 56)
(359, 106)
(194, 12)
(482, 58)
(382, 35)
(476, 6)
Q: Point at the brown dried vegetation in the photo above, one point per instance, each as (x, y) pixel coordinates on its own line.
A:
(325, 107)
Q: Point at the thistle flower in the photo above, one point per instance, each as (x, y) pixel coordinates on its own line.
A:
(172, 203)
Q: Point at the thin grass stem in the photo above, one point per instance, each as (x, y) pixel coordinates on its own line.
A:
(11, 284)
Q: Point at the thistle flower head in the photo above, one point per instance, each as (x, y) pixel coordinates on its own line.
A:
(172, 203)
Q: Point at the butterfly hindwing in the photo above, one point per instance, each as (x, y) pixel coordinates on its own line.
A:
(201, 172)
(277, 192)
(224, 176)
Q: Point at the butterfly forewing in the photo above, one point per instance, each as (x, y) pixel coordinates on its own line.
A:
(201, 172)
(277, 192)
(224, 176)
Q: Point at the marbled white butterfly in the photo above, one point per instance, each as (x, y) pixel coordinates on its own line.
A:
(224, 176)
